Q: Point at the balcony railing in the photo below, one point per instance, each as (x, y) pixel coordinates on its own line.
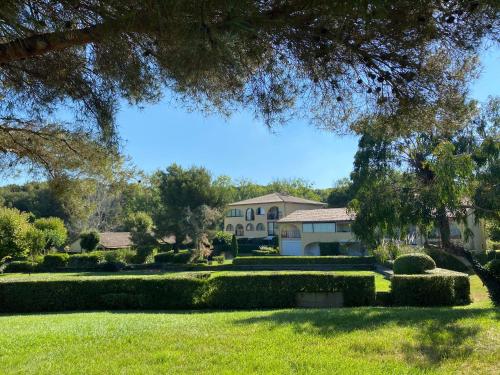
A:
(290, 234)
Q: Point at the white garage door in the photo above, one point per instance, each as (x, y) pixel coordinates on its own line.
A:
(290, 247)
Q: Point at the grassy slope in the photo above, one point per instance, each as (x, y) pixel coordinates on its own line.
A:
(348, 341)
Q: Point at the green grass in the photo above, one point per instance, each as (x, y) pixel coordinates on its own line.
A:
(317, 341)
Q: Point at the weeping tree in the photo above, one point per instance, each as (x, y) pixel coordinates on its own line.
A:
(330, 60)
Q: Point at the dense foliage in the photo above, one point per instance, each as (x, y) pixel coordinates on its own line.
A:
(89, 240)
(292, 260)
(267, 56)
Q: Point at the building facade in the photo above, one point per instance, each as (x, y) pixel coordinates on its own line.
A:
(258, 217)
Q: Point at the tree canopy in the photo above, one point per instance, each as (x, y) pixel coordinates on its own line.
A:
(330, 60)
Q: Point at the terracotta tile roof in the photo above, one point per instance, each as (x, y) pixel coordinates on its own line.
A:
(321, 215)
(115, 240)
(276, 198)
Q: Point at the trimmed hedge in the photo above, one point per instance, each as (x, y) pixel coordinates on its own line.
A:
(293, 260)
(100, 294)
(412, 264)
(434, 288)
(21, 266)
(86, 260)
(446, 260)
(494, 267)
(251, 290)
(279, 290)
(182, 257)
(55, 261)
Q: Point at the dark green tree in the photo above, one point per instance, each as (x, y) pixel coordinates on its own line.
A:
(234, 246)
(89, 240)
(264, 55)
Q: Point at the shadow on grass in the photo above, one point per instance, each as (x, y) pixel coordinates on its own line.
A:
(440, 334)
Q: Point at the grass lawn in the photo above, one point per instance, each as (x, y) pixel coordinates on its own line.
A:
(348, 341)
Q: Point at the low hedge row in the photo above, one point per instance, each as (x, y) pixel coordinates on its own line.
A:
(242, 291)
(434, 288)
(182, 257)
(293, 260)
(223, 291)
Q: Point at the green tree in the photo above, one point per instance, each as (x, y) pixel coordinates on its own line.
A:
(53, 230)
(140, 226)
(89, 240)
(268, 57)
(341, 194)
(182, 190)
(14, 229)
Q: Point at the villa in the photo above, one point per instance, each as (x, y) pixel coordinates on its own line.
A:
(303, 225)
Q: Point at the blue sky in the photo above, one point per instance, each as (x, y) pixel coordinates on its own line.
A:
(242, 147)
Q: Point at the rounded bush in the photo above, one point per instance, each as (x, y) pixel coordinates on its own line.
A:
(494, 267)
(411, 264)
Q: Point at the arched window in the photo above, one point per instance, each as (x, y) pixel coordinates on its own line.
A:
(249, 227)
(261, 211)
(229, 228)
(260, 227)
(273, 213)
(239, 230)
(249, 215)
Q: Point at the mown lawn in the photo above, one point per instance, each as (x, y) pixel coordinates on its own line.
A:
(346, 341)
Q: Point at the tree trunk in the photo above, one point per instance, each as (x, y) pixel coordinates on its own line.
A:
(444, 229)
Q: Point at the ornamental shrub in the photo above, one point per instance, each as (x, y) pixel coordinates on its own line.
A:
(86, 260)
(234, 246)
(55, 261)
(89, 240)
(434, 288)
(222, 242)
(266, 250)
(410, 264)
(182, 257)
(219, 259)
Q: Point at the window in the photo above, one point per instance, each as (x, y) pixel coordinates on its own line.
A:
(229, 228)
(272, 228)
(260, 227)
(261, 211)
(239, 230)
(307, 228)
(249, 215)
(343, 227)
(318, 227)
(249, 227)
(235, 212)
(273, 213)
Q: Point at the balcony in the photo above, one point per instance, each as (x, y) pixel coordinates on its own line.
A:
(274, 216)
(290, 234)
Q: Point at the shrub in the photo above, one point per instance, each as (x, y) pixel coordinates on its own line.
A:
(222, 242)
(329, 248)
(435, 288)
(94, 294)
(494, 267)
(219, 259)
(89, 240)
(86, 260)
(234, 246)
(410, 264)
(279, 290)
(55, 261)
(120, 255)
(292, 260)
(21, 266)
(446, 260)
(182, 257)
